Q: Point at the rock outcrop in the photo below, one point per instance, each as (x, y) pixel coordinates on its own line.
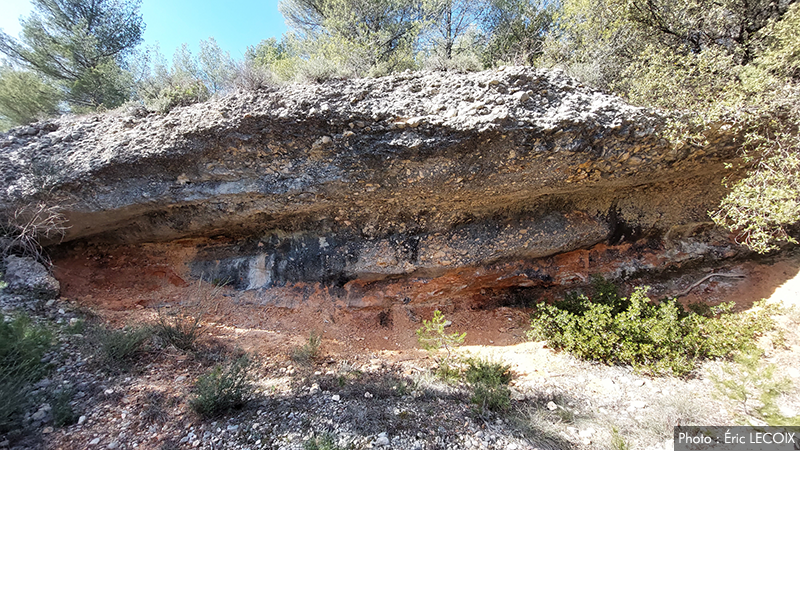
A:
(26, 276)
(505, 176)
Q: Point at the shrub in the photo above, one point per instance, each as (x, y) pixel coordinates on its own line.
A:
(489, 381)
(747, 379)
(177, 95)
(490, 398)
(121, 347)
(183, 326)
(431, 335)
(22, 347)
(488, 373)
(25, 96)
(182, 330)
(763, 206)
(222, 389)
(322, 441)
(655, 337)
(62, 413)
(308, 351)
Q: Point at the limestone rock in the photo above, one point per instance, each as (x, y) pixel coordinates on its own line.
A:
(26, 276)
(410, 175)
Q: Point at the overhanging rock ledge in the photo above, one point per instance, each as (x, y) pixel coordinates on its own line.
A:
(513, 177)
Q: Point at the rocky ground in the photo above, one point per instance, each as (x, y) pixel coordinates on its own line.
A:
(356, 393)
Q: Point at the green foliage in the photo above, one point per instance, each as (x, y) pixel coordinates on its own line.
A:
(25, 96)
(692, 26)
(322, 441)
(308, 351)
(749, 379)
(182, 329)
(617, 441)
(22, 347)
(216, 68)
(489, 381)
(368, 37)
(450, 34)
(431, 336)
(280, 58)
(223, 389)
(178, 95)
(448, 372)
(517, 30)
(664, 78)
(592, 40)
(188, 79)
(766, 202)
(486, 372)
(120, 347)
(79, 45)
(720, 62)
(778, 46)
(655, 337)
(490, 398)
(62, 412)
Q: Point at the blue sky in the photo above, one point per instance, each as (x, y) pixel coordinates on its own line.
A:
(235, 24)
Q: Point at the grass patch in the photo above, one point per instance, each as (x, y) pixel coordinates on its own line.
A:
(183, 325)
(322, 441)
(62, 412)
(180, 330)
(654, 337)
(121, 347)
(749, 380)
(617, 441)
(22, 347)
(308, 351)
(224, 388)
(489, 381)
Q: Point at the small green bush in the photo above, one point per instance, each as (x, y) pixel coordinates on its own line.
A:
(489, 381)
(487, 372)
(322, 441)
(177, 95)
(223, 389)
(654, 337)
(308, 351)
(62, 412)
(747, 378)
(119, 348)
(431, 335)
(181, 330)
(22, 347)
(490, 398)
(617, 441)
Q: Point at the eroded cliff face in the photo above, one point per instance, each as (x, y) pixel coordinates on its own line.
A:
(500, 179)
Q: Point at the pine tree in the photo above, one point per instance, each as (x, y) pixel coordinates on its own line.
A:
(79, 46)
